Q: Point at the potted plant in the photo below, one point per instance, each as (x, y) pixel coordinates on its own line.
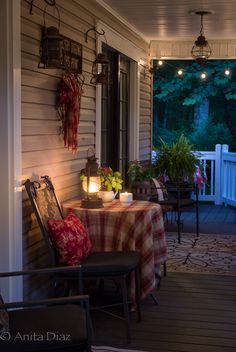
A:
(176, 162)
(111, 183)
(141, 179)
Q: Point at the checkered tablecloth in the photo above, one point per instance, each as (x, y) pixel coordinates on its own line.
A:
(135, 226)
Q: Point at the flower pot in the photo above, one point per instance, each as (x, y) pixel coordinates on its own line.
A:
(107, 196)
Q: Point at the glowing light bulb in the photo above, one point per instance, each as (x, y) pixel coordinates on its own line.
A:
(227, 72)
(160, 62)
(203, 75)
(180, 72)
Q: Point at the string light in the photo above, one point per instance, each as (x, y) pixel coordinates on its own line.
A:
(180, 72)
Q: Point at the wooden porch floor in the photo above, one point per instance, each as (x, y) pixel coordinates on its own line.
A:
(196, 313)
(216, 219)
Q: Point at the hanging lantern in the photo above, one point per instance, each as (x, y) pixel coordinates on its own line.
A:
(51, 51)
(201, 50)
(91, 185)
(51, 48)
(101, 70)
(101, 66)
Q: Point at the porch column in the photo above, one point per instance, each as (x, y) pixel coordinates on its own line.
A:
(10, 147)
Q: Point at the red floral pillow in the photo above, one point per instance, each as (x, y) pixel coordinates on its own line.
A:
(70, 238)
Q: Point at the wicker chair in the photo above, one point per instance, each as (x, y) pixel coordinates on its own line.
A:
(99, 265)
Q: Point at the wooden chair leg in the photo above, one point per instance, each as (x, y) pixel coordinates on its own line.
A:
(126, 307)
(165, 269)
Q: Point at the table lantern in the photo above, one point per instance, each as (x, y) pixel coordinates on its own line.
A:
(91, 185)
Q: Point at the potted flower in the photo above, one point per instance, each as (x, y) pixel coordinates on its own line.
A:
(111, 183)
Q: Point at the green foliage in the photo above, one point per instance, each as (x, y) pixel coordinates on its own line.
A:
(176, 101)
(110, 180)
(190, 88)
(139, 173)
(209, 134)
(176, 160)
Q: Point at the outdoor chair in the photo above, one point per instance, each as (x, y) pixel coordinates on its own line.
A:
(52, 324)
(178, 196)
(115, 265)
(172, 198)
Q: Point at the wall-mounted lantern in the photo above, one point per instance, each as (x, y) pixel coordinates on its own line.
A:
(100, 70)
(51, 49)
(51, 46)
(56, 50)
(101, 65)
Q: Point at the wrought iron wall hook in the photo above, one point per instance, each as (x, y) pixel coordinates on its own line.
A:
(48, 2)
(95, 30)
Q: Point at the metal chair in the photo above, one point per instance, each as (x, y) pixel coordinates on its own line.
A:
(55, 324)
(99, 265)
(175, 197)
(179, 198)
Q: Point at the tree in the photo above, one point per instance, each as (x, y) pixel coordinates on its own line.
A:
(189, 90)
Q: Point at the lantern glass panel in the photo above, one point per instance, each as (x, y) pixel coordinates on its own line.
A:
(94, 184)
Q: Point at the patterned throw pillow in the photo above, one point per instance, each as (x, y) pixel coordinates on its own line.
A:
(70, 238)
(4, 319)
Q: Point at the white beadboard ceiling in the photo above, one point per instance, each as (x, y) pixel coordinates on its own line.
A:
(171, 19)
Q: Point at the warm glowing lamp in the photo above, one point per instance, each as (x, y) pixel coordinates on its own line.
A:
(91, 185)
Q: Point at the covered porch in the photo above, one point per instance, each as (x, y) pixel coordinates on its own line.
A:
(32, 144)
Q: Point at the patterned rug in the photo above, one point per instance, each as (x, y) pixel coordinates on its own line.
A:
(208, 254)
(110, 349)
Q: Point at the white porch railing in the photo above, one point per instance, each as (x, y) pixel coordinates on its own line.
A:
(220, 167)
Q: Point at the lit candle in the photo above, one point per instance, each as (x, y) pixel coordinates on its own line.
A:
(126, 197)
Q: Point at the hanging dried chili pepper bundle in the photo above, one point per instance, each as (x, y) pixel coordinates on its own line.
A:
(68, 104)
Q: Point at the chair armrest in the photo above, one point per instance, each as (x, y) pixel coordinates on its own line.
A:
(47, 302)
(45, 271)
(56, 270)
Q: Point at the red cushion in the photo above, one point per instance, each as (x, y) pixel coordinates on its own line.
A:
(70, 238)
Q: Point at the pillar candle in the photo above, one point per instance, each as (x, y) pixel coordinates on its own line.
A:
(126, 197)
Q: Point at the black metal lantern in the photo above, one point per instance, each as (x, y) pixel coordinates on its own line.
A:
(101, 70)
(91, 185)
(101, 66)
(201, 50)
(51, 50)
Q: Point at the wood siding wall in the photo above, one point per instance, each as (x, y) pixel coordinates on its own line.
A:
(145, 125)
(43, 151)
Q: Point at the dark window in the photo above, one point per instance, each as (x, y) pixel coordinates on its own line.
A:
(115, 115)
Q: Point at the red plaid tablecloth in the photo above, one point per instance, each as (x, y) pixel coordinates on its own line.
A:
(135, 226)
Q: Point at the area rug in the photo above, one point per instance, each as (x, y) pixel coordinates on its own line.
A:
(110, 349)
(206, 254)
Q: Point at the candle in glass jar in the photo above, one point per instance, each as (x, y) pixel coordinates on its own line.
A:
(126, 197)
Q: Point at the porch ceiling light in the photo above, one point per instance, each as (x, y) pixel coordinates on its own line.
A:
(201, 50)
